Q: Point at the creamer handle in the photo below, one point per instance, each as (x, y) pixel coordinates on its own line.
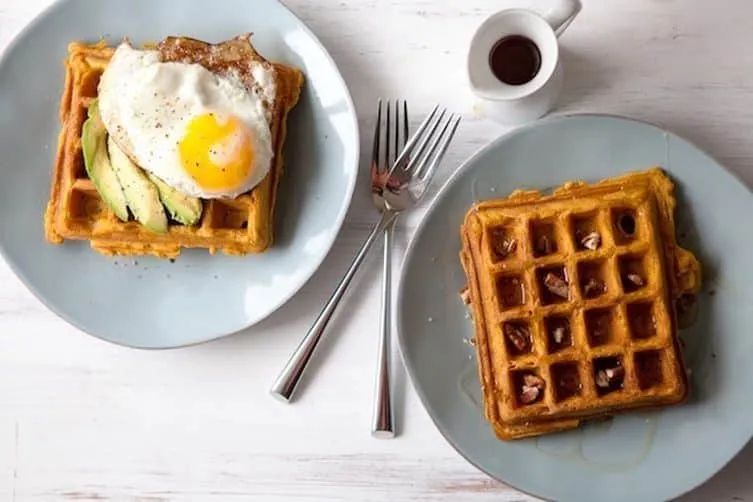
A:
(562, 14)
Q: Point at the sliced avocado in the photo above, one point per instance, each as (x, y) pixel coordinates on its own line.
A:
(183, 208)
(97, 163)
(140, 193)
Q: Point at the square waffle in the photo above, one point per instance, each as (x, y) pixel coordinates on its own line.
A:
(234, 226)
(573, 301)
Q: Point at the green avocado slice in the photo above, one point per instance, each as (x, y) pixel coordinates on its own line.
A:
(97, 163)
(141, 194)
(183, 208)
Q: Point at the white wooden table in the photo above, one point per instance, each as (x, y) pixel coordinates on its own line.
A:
(81, 419)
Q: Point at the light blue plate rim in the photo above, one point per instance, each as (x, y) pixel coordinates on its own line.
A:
(468, 165)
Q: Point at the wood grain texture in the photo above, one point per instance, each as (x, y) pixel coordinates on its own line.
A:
(82, 420)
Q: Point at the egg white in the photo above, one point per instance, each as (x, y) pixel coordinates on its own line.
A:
(147, 104)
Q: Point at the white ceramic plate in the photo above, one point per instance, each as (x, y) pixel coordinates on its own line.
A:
(642, 457)
(154, 303)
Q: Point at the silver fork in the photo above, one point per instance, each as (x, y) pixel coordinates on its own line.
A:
(382, 423)
(404, 188)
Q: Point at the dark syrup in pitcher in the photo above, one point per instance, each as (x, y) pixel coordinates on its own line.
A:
(515, 60)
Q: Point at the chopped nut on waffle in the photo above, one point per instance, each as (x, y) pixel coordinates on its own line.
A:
(577, 321)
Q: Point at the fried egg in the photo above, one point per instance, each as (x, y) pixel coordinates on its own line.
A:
(203, 134)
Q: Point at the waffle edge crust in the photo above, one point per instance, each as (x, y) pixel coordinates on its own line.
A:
(237, 226)
(574, 302)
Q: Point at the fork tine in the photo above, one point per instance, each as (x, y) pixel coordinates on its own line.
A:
(438, 148)
(420, 160)
(387, 137)
(377, 132)
(397, 127)
(421, 147)
(408, 149)
(406, 123)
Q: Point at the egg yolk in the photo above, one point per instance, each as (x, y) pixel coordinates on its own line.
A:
(217, 151)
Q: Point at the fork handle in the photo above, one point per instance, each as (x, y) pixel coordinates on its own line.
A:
(285, 385)
(382, 422)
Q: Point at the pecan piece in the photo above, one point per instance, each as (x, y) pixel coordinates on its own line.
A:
(518, 336)
(532, 380)
(531, 389)
(529, 395)
(556, 285)
(558, 335)
(609, 377)
(591, 241)
(636, 279)
(502, 245)
(594, 287)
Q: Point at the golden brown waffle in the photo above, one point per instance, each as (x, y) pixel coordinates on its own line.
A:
(573, 300)
(238, 226)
